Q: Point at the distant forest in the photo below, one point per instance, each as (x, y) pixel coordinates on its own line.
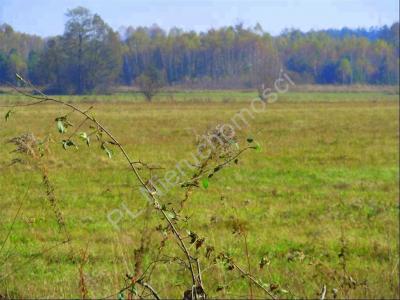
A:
(91, 57)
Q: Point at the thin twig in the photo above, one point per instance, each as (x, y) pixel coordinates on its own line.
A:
(34, 256)
(15, 217)
(198, 176)
(156, 204)
(200, 278)
(323, 292)
(150, 288)
(255, 281)
(248, 263)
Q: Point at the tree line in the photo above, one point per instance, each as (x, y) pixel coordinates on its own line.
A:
(91, 57)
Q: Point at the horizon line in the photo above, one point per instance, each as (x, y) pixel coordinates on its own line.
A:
(186, 30)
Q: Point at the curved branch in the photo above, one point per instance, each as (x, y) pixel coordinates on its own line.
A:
(150, 288)
(44, 98)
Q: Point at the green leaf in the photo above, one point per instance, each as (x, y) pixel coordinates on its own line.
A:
(134, 290)
(85, 137)
(108, 151)
(68, 143)
(171, 215)
(8, 115)
(120, 296)
(283, 291)
(63, 123)
(205, 183)
(60, 126)
(257, 147)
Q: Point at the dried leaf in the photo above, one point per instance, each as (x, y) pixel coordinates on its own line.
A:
(8, 115)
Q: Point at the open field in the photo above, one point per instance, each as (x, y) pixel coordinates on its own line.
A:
(299, 93)
(326, 179)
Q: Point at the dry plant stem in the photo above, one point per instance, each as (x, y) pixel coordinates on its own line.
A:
(190, 259)
(77, 128)
(323, 293)
(140, 282)
(44, 98)
(198, 176)
(15, 217)
(199, 275)
(150, 268)
(150, 288)
(33, 257)
(243, 272)
(82, 280)
(248, 263)
(53, 202)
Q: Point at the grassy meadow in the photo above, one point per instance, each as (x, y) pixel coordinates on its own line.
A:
(326, 179)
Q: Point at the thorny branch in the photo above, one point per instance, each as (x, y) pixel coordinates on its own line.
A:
(44, 98)
(197, 289)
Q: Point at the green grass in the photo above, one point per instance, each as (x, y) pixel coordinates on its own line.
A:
(225, 96)
(329, 163)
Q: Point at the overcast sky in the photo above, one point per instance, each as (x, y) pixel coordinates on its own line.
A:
(47, 17)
